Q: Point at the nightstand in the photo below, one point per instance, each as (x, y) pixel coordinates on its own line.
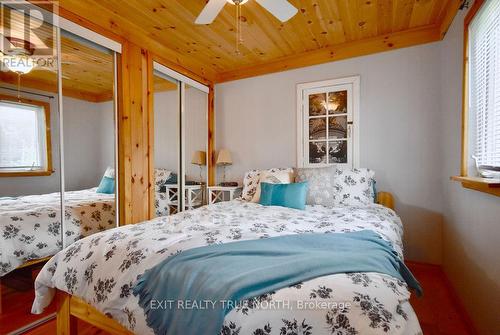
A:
(222, 193)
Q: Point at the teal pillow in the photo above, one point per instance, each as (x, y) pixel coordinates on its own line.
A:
(106, 186)
(285, 195)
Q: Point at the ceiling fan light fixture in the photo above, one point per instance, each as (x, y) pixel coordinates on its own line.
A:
(19, 64)
(237, 2)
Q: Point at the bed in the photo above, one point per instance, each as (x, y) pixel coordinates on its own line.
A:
(92, 279)
(30, 226)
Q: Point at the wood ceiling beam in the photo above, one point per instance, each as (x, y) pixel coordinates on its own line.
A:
(353, 49)
(449, 14)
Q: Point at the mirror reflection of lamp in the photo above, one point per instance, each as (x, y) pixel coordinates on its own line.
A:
(224, 159)
(199, 158)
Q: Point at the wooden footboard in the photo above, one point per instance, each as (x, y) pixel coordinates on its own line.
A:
(70, 308)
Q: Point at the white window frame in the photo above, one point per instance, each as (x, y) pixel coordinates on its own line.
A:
(352, 85)
(480, 130)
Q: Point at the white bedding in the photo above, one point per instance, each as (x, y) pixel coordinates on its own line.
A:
(102, 269)
(30, 226)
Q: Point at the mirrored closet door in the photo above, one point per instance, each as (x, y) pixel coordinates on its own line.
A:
(30, 167)
(57, 151)
(89, 137)
(166, 105)
(180, 142)
(195, 125)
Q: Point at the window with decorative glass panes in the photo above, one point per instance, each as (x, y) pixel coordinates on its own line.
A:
(326, 122)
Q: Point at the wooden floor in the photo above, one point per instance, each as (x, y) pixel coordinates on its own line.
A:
(437, 310)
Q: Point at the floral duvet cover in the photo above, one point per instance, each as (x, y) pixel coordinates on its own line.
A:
(102, 269)
(30, 226)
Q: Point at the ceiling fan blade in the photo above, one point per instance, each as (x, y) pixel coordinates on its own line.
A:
(282, 9)
(211, 10)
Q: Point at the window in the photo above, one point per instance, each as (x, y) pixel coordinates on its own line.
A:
(484, 83)
(24, 137)
(325, 119)
(481, 94)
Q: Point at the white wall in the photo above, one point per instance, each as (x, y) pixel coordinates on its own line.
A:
(399, 131)
(88, 147)
(471, 227)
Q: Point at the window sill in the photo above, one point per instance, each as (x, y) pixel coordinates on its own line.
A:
(486, 185)
(25, 173)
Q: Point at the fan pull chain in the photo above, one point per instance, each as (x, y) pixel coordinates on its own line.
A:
(239, 37)
(18, 87)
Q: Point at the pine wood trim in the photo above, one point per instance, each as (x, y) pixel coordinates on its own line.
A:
(449, 14)
(357, 48)
(151, 134)
(48, 138)
(211, 136)
(486, 185)
(134, 135)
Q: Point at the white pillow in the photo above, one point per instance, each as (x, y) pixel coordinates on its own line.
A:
(252, 180)
(110, 172)
(161, 176)
(272, 177)
(354, 187)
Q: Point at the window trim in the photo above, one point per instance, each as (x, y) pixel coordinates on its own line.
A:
(486, 185)
(352, 119)
(40, 172)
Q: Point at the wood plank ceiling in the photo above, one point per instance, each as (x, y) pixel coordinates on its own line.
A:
(322, 31)
(87, 71)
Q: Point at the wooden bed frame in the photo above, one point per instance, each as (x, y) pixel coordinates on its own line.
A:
(71, 308)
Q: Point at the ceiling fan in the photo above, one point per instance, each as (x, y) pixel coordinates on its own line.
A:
(281, 9)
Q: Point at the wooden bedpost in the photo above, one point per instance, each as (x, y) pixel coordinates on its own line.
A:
(66, 324)
(385, 199)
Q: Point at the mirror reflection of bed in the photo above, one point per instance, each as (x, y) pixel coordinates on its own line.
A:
(89, 140)
(31, 141)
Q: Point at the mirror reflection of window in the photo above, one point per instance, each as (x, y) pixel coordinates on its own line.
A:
(89, 137)
(30, 197)
(167, 144)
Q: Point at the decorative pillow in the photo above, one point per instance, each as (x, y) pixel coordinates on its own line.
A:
(161, 176)
(285, 195)
(321, 185)
(272, 177)
(106, 186)
(252, 180)
(354, 187)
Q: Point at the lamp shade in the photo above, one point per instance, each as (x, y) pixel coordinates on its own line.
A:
(224, 157)
(199, 158)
